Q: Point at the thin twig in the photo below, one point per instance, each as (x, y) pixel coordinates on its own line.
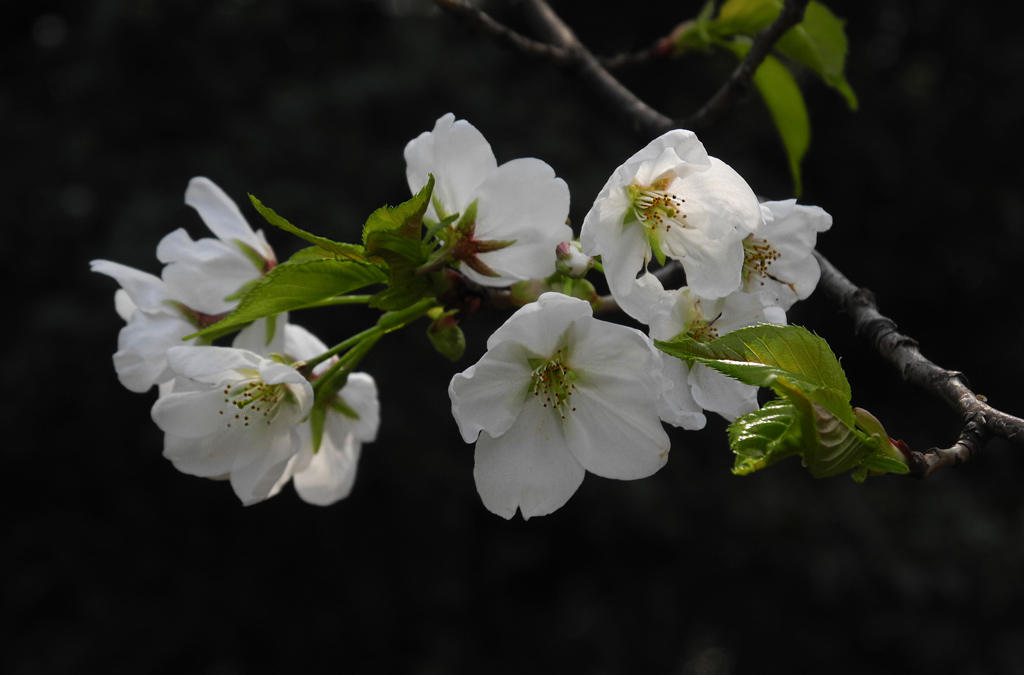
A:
(980, 419)
(645, 120)
(502, 34)
(792, 13)
(660, 50)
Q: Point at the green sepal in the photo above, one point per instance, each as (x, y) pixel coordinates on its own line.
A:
(340, 250)
(467, 223)
(271, 328)
(338, 405)
(440, 229)
(295, 285)
(317, 416)
(254, 256)
(652, 241)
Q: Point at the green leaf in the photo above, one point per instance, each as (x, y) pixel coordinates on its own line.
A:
(693, 35)
(402, 295)
(812, 416)
(785, 103)
(311, 253)
(404, 220)
(339, 249)
(744, 17)
(381, 243)
(293, 285)
(819, 42)
(765, 436)
(759, 355)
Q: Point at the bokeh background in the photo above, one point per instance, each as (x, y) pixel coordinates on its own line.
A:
(115, 562)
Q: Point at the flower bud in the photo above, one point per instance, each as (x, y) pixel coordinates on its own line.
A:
(571, 261)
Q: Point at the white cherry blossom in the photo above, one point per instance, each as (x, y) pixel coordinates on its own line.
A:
(779, 262)
(673, 197)
(521, 207)
(231, 412)
(683, 312)
(192, 291)
(558, 393)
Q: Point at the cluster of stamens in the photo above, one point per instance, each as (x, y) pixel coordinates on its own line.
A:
(552, 383)
(758, 256)
(656, 208)
(703, 330)
(251, 402)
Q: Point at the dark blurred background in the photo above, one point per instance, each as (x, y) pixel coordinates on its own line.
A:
(115, 562)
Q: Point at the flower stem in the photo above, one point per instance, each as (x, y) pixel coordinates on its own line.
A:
(389, 321)
(359, 346)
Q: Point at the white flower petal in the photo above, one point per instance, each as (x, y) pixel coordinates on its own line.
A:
(523, 200)
(300, 344)
(141, 356)
(206, 457)
(124, 305)
(220, 213)
(202, 274)
(615, 430)
(541, 325)
(677, 405)
(145, 290)
(718, 203)
(489, 395)
(259, 465)
(529, 467)
(713, 266)
(360, 394)
(721, 394)
(193, 414)
(636, 295)
(328, 476)
(211, 364)
(457, 155)
(612, 422)
(254, 337)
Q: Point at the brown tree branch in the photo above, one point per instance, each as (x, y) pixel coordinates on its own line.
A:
(980, 419)
(644, 119)
(564, 50)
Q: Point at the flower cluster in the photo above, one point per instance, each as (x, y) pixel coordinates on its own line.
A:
(559, 393)
(238, 412)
